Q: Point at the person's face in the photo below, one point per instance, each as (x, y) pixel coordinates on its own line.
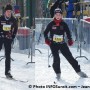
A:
(58, 16)
(8, 13)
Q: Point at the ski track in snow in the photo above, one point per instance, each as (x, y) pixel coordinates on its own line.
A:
(40, 74)
(20, 71)
(46, 76)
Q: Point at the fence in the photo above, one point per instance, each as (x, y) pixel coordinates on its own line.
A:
(24, 42)
(85, 35)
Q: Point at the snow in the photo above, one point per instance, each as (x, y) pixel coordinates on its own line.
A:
(20, 71)
(45, 75)
(40, 76)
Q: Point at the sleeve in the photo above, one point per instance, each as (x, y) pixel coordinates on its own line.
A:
(68, 33)
(1, 31)
(47, 30)
(0, 24)
(15, 28)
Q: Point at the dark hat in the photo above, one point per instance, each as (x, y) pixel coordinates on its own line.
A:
(8, 7)
(57, 10)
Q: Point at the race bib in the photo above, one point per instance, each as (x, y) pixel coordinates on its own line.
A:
(6, 27)
(58, 38)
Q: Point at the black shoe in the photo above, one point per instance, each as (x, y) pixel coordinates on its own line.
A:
(8, 75)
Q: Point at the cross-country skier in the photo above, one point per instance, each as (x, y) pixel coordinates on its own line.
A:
(55, 37)
(8, 30)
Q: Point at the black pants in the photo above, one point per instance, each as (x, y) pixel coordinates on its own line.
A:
(55, 48)
(7, 46)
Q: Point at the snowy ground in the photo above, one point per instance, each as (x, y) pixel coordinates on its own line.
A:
(45, 76)
(41, 77)
(20, 71)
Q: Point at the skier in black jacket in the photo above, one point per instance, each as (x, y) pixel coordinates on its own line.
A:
(55, 38)
(8, 30)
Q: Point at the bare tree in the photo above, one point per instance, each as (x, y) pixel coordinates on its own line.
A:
(39, 9)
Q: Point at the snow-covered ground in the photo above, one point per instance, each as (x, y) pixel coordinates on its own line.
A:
(45, 76)
(19, 70)
(40, 76)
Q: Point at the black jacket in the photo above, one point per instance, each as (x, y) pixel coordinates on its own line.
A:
(9, 22)
(52, 30)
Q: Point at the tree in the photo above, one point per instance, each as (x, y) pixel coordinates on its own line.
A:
(39, 9)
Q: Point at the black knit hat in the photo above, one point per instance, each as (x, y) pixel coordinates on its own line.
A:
(8, 7)
(57, 10)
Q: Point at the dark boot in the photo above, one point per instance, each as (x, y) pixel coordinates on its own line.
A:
(8, 75)
(82, 74)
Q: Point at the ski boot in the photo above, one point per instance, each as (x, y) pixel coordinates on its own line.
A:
(58, 76)
(9, 76)
(82, 74)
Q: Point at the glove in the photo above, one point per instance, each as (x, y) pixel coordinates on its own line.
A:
(70, 42)
(8, 35)
(48, 42)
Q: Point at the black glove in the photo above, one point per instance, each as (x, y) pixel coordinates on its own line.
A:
(1, 34)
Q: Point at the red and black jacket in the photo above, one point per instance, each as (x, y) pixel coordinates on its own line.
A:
(52, 29)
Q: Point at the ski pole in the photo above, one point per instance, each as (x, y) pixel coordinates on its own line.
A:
(48, 59)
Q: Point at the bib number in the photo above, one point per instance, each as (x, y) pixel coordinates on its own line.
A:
(58, 38)
(6, 27)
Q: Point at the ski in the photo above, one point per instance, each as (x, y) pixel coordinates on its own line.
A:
(63, 81)
(19, 80)
(15, 79)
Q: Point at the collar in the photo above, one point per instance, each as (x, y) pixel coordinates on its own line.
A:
(57, 22)
(6, 18)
